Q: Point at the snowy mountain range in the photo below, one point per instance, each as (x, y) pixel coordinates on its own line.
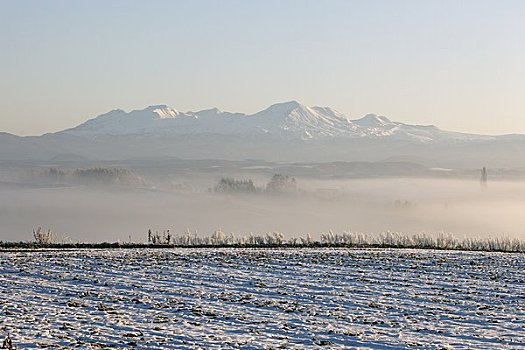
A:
(289, 131)
(288, 120)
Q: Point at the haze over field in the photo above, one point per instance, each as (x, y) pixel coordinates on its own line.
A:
(407, 205)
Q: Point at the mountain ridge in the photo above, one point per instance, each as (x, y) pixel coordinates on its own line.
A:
(288, 120)
(288, 132)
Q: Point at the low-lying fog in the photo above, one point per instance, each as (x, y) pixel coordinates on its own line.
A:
(461, 207)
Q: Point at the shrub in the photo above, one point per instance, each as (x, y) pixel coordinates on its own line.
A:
(42, 237)
(8, 343)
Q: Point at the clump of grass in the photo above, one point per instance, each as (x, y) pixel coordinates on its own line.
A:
(345, 239)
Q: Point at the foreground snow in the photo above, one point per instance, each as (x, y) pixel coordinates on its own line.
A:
(251, 299)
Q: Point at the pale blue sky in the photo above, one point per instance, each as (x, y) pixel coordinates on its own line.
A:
(457, 64)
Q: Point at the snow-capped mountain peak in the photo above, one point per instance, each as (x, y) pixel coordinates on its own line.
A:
(285, 107)
(208, 113)
(297, 121)
(373, 120)
(164, 111)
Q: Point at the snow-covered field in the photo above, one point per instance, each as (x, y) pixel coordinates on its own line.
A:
(253, 299)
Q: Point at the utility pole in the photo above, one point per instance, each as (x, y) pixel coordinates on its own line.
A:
(484, 177)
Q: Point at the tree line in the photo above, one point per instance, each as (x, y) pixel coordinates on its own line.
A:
(279, 183)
